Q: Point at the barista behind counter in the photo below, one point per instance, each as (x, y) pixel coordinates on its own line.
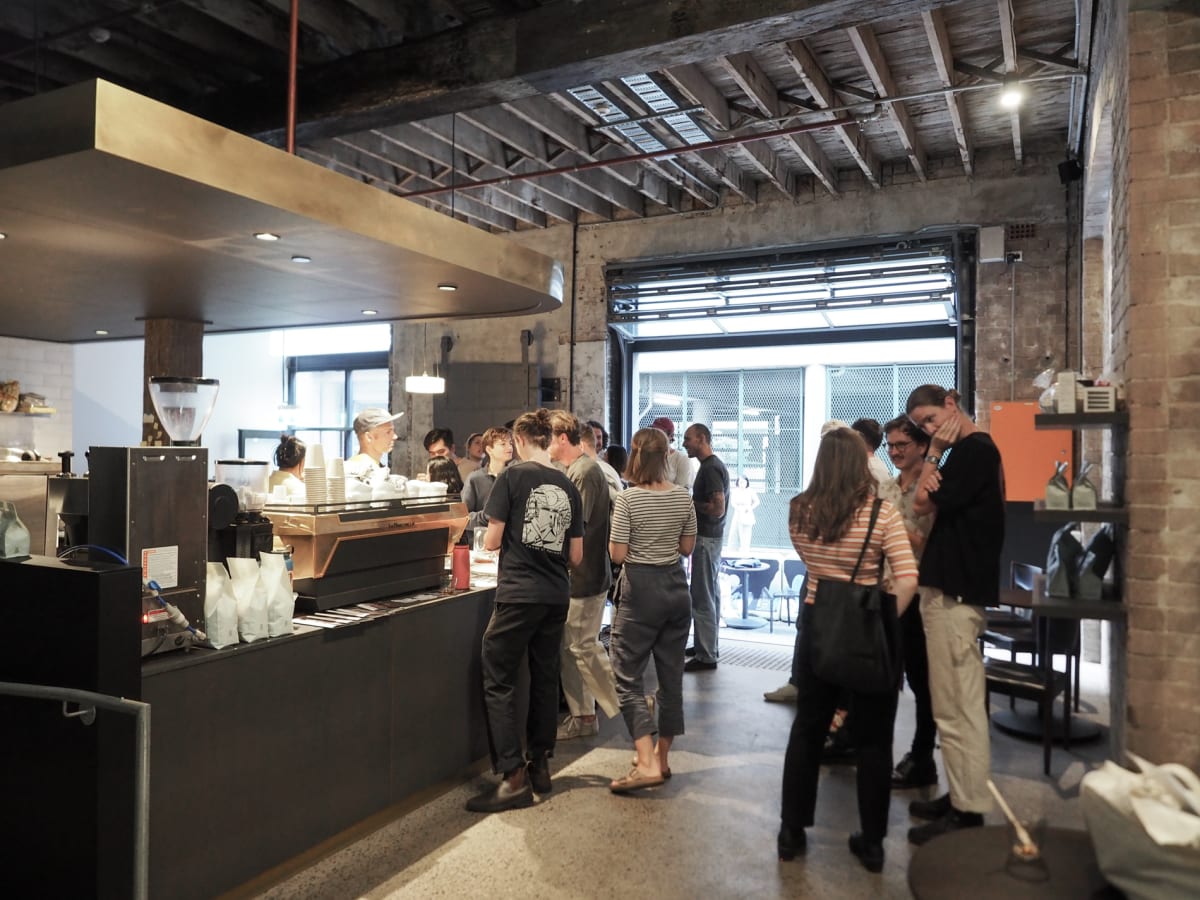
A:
(289, 462)
(375, 429)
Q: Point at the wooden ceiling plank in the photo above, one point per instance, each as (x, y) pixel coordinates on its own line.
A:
(701, 92)
(383, 173)
(721, 168)
(757, 85)
(441, 154)
(823, 92)
(347, 29)
(767, 162)
(530, 141)
(475, 65)
(224, 46)
(490, 152)
(548, 116)
(1008, 40)
(943, 60)
(266, 28)
(866, 44)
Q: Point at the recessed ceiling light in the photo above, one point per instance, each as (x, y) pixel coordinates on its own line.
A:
(101, 331)
(301, 259)
(266, 236)
(447, 286)
(370, 312)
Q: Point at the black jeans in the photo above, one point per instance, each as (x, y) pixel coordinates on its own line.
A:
(516, 630)
(870, 725)
(916, 669)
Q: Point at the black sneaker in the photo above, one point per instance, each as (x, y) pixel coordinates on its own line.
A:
(790, 843)
(930, 809)
(838, 748)
(914, 773)
(869, 853)
(501, 797)
(955, 820)
(698, 665)
(537, 773)
(689, 652)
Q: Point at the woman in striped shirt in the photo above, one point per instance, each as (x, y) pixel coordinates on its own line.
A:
(653, 524)
(829, 523)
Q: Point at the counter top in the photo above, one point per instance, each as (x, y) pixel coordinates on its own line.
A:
(169, 662)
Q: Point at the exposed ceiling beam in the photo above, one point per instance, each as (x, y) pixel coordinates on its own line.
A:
(823, 92)
(702, 92)
(1008, 39)
(943, 59)
(503, 58)
(346, 27)
(762, 91)
(531, 142)
(871, 54)
(268, 29)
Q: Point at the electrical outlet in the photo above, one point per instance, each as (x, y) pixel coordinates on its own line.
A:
(1013, 256)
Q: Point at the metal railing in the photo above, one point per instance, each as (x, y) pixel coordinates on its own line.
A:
(88, 702)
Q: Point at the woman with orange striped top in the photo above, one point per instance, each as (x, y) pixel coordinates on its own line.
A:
(829, 524)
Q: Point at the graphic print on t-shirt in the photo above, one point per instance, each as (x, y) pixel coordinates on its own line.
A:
(547, 518)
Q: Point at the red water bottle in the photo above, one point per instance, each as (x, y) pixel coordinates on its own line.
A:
(460, 568)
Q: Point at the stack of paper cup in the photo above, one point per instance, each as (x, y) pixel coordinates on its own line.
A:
(336, 480)
(316, 486)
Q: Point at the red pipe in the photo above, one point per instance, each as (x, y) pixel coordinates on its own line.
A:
(638, 157)
(293, 42)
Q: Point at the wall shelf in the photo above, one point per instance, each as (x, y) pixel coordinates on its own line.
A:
(1081, 420)
(1103, 513)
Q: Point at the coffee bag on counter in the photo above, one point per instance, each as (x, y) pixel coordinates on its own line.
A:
(220, 608)
(281, 600)
(251, 597)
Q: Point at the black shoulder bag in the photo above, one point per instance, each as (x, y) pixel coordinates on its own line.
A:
(854, 632)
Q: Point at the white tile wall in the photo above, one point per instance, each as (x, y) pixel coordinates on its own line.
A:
(43, 368)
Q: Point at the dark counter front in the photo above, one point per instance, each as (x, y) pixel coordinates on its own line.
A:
(263, 751)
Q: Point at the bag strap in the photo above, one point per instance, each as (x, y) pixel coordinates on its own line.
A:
(870, 528)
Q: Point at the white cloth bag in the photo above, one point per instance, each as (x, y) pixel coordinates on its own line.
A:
(1145, 827)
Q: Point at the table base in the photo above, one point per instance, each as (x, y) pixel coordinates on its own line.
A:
(746, 623)
(1029, 726)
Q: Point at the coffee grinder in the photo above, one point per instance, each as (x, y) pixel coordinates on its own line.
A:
(150, 505)
(250, 532)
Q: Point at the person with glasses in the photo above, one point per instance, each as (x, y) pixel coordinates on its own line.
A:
(907, 447)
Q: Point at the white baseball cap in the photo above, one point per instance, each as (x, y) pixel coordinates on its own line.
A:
(373, 417)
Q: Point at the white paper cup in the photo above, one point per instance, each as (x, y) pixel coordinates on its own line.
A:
(315, 457)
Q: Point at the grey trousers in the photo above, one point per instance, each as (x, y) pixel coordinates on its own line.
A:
(653, 616)
(706, 563)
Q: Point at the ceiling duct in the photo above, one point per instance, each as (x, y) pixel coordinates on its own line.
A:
(118, 208)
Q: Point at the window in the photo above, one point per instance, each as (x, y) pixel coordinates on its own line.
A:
(327, 391)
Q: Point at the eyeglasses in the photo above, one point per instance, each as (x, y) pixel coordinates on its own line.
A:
(899, 445)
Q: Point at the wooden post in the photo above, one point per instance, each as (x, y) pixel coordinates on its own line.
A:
(172, 347)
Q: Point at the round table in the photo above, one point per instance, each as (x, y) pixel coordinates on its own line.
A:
(971, 863)
(747, 621)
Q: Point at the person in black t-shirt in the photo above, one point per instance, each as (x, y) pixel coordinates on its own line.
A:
(535, 520)
(960, 574)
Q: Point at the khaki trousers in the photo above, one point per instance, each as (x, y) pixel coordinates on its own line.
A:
(587, 676)
(957, 686)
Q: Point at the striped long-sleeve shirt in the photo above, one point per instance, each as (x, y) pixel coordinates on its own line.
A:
(836, 561)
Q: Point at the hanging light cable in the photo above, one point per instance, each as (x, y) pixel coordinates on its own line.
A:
(425, 383)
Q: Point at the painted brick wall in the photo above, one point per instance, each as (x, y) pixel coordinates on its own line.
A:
(42, 368)
(1158, 190)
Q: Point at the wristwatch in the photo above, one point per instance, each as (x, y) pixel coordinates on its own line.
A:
(933, 458)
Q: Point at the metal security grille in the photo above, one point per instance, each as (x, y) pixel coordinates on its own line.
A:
(879, 392)
(846, 287)
(756, 417)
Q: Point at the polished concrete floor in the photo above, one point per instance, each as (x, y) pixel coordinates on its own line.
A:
(708, 832)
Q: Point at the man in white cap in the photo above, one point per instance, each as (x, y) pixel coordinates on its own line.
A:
(375, 429)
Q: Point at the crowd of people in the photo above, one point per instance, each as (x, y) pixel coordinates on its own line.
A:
(579, 523)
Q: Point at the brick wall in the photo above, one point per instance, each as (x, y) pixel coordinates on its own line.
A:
(1155, 302)
(42, 368)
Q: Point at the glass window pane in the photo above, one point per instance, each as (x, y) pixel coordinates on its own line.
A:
(320, 398)
(368, 387)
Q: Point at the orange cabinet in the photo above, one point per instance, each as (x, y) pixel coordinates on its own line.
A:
(1029, 454)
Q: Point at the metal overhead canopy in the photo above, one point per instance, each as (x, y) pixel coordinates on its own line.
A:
(118, 208)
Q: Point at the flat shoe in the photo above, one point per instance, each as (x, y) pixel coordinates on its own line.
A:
(635, 781)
